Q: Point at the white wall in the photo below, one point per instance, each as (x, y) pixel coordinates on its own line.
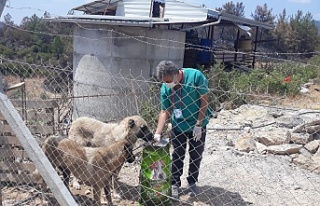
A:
(102, 57)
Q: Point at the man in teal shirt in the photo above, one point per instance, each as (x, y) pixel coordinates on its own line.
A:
(184, 98)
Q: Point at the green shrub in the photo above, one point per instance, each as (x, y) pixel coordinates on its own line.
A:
(241, 87)
(151, 107)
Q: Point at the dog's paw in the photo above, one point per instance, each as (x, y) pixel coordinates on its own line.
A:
(116, 196)
(76, 185)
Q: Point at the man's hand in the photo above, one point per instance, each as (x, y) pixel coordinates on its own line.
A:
(156, 138)
(197, 132)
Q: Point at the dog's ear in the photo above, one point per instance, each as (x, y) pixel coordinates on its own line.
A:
(131, 123)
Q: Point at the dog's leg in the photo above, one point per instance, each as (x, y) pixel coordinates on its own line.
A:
(115, 184)
(38, 179)
(66, 175)
(97, 195)
(108, 194)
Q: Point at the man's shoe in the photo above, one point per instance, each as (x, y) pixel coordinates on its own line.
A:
(175, 191)
(193, 190)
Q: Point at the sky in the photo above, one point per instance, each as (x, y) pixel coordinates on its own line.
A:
(21, 8)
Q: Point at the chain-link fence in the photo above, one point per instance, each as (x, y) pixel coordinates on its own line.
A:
(261, 146)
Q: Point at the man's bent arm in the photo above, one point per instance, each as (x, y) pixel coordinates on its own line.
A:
(203, 108)
(163, 116)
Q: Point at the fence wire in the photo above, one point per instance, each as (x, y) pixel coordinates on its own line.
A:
(261, 149)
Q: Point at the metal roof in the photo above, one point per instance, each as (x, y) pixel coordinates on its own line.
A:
(136, 13)
(245, 21)
(109, 20)
(95, 6)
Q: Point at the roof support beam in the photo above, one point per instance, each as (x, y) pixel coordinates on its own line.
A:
(255, 47)
(204, 25)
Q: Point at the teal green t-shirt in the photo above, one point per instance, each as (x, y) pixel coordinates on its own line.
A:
(187, 99)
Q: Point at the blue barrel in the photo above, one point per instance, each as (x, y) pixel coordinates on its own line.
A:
(205, 53)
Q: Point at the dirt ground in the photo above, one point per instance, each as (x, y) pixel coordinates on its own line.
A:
(228, 177)
(310, 100)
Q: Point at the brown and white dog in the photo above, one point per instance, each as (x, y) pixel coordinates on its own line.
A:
(94, 133)
(93, 165)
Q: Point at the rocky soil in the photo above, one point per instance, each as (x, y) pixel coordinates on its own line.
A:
(255, 155)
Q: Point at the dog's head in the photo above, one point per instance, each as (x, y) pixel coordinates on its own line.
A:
(138, 128)
(128, 148)
(145, 133)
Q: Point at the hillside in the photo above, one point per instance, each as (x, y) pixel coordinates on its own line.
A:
(318, 25)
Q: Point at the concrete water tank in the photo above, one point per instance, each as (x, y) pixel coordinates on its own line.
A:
(92, 90)
(112, 71)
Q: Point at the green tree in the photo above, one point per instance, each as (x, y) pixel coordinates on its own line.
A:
(306, 37)
(24, 22)
(46, 15)
(283, 31)
(297, 33)
(229, 32)
(57, 46)
(231, 8)
(34, 24)
(8, 19)
(263, 14)
(33, 40)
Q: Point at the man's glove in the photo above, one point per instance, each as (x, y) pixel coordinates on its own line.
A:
(156, 138)
(197, 132)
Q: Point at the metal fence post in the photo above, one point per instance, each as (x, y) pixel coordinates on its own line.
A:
(59, 190)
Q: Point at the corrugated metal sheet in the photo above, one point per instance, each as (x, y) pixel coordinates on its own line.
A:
(176, 11)
(181, 10)
(141, 8)
(245, 21)
(95, 6)
(109, 20)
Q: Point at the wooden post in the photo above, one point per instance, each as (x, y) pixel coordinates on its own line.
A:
(255, 47)
(236, 46)
(211, 45)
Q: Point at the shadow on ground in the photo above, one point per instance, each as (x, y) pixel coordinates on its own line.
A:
(208, 195)
(214, 196)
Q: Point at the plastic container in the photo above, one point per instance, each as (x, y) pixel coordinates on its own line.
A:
(155, 175)
(205, 54)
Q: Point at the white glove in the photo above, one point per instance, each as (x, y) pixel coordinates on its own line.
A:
(156, 137)
(197, 133)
